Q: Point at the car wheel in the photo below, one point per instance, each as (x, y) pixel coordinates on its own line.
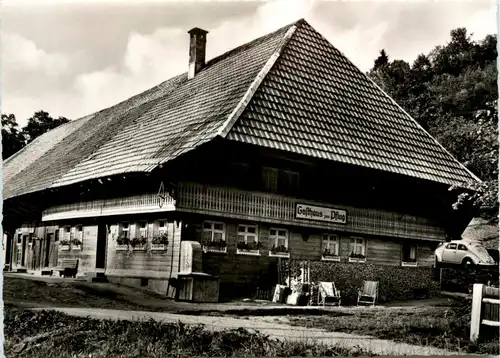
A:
(467, 262)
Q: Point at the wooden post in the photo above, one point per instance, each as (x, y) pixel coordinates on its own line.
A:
(475, 317)
(309, 272)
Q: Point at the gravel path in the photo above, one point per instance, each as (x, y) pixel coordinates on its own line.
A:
(274, 330)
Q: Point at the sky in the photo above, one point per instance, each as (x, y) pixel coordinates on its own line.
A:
(75, 57)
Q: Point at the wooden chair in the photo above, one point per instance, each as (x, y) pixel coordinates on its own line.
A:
(328, 294)
(369, 293)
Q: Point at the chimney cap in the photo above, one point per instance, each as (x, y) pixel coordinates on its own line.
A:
(197, 31)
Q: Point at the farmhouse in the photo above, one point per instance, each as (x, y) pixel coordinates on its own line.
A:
(280, 148)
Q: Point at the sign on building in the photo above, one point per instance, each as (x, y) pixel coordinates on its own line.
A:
(318, 213)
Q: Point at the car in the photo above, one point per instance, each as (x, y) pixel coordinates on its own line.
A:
(462, 252)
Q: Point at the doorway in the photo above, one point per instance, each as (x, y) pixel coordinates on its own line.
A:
(100, 259)
(48, 243)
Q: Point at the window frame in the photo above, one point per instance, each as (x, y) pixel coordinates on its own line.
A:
(124, 229)
(290, 174)
(212, 231)
(266, 178)
(274, 238)
(336, 255)
(246, 234)
(143, 231)
(162, 229)
(405, 246)
(352, 249)
(464, 247)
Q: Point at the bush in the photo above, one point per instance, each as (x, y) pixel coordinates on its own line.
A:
(395, 282)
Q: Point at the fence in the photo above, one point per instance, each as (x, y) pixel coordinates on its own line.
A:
(485, 309)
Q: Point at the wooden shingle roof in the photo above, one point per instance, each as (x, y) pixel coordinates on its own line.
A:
(289, 90)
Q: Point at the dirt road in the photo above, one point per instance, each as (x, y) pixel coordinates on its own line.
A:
(274, 330)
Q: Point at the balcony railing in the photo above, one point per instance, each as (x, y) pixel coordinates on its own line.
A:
(235, 203)
(146, 203)
(254, 206)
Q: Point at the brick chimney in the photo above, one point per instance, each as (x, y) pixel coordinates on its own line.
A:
(197, 48)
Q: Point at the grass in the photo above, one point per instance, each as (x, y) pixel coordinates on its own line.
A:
(442, 327)
(51, 334)
(62, 294)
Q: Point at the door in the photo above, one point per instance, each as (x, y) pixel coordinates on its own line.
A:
(449, 253)
(23, 250)
(100, 259)
(48, 243)
(19, 250)
(461, 252)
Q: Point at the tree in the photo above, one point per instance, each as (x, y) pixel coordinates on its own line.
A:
(381, 61)
(40, 123)
(12, 138)
(453, 93)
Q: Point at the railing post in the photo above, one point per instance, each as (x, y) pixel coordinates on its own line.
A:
(475, 317)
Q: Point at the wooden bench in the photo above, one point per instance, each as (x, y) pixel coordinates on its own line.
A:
(68, 267)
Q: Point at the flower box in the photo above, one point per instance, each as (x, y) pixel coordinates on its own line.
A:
(76, 247)
(138, 244)
(330, 258)
(357, 259)
(280, 251)
(409, 264)
(158, 247)
(214, 249)
(248, 252)
(252, 248)
(64, 247)
(215, 246)
(279, 254)
(121, 247)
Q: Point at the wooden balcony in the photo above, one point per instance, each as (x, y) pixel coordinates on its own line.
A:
(146, 203)
(271, 208)
(259, 207)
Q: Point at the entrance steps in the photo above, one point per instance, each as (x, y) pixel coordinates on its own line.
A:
(94, 277)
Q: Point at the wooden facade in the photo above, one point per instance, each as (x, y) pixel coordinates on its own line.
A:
(196, 210)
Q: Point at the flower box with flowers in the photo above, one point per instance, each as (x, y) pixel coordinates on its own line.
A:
(329, 255)
(122, 243)
(215, 246)
(251, 248)
(357, 258)
(280, 251)
(138, 243)
(64, 245)
(76, 244)
(159, 243)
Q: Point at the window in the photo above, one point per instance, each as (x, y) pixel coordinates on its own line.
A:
(451, 246)
(357, 249)
(214, 236)
(125, 230)
(270, 179)
(330, 249)
(290, 181)
(462, 247)
(143, 229)
(409, 255)
(248, 240)
(79, 232)
(278, 239)
(162, 226)
(19, 239)
(67, 233)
